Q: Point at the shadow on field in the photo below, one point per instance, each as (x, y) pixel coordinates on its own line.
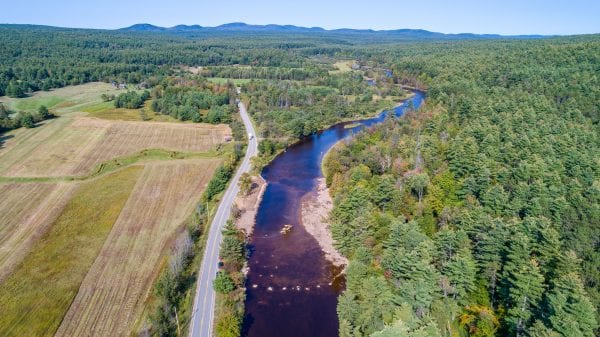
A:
(4, 138)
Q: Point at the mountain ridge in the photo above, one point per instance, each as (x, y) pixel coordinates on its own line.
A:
(276, 28)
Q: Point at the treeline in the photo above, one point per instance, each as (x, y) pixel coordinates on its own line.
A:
(131, 99)
(13, 120)
(195, 101)
(479, 214)
(230, 283)
(271, 73)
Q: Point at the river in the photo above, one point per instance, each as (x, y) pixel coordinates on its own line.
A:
(291, 288)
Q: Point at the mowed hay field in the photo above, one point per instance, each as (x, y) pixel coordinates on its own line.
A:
(112, 296)
(36, 295)
(88, 211)
(73, 147)
(26, 212)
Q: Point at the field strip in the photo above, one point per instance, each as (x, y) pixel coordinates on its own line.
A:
(21, 143)
(38, 293)
(26, 212)
(112, 295)
(74, 146)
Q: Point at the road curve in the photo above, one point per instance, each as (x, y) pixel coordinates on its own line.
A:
(201, 324)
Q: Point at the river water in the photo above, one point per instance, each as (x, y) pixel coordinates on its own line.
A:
(291, 288)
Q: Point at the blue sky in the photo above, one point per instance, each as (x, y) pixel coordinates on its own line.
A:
(503, 17)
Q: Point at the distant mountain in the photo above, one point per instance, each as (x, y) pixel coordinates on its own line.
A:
(272, 28)
(144, 27)
(229, 27)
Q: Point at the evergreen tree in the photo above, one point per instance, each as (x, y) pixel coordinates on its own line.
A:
(14, 90)
(523, 285)
(27, 120)
(571, 312)
(538, 329)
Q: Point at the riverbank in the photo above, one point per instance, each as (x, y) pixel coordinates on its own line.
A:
(247, 205)
(314, 214)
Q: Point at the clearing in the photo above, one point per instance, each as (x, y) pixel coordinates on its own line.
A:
(343, 66)
(63, 100)
(112, 296)
(223, 80)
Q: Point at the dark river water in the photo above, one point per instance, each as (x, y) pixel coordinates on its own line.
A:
(291, 288)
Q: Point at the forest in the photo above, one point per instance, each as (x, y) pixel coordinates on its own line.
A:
(478, 214)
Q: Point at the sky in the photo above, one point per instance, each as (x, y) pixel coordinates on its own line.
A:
(507, 17)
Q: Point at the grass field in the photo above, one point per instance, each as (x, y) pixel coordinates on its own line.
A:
(37, 294)
(65, 147)
(62, 100)
(222, 80)
(83, 99)
(107, 110)
(342, 66)
(112, 296)
(26, 212)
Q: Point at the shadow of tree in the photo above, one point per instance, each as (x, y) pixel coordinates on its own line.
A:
(4, 138)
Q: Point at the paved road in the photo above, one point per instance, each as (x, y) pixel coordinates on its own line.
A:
(204, 300)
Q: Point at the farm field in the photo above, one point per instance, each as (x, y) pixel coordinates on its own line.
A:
(113, 293)
(26, 212)
(66, 147)
(89, 209)
(37, 294)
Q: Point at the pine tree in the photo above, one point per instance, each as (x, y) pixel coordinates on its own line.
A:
(455, 261)
(490, 244)
(523, 284)
(14, 90)
(571, 311)
(538, 329)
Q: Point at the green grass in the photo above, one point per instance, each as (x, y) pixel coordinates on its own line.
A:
(222, 80)
(122, 162)
(36, 296)
(107, 110)
(32, 104)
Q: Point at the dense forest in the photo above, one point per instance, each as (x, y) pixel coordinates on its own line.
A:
(477, 215)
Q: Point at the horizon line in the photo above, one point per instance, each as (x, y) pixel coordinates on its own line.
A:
(293, 25)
